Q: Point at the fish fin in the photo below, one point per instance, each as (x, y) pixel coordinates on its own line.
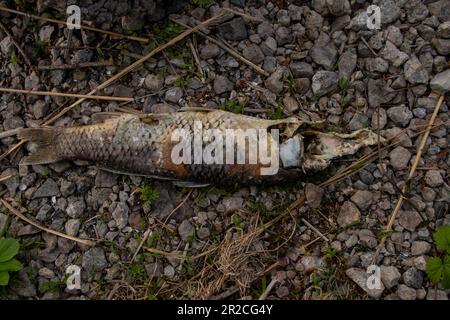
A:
(44, 138)
(103, 116)
(198, 109)
(151, 118)
(189, 184)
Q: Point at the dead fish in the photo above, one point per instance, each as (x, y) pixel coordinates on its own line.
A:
(197, 146)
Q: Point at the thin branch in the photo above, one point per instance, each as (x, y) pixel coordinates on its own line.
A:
(269, 288)
(56, 233)
(19, 48)
(320, 234)
(68, 95)
(77, 66)
(410, 175)
(9, 133)
(244, 15)
(83, 27)
(227, 49)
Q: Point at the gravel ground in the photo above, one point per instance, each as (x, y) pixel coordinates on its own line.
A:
(318, 60)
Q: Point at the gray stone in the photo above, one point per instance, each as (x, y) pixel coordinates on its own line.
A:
(390, 276)
(394, 35)
(173, 94)
(275, 81)
(75, 207)
(443, 30)
(48, 189)
(324, 82)
(338, 7)
(6, 46)
(120, 214)
(67, 188)
(23, 285)
(313, 195)
(253, 53)
(154, 82)
(420, 247)
(434, 294)
(39, 109)
(399, 158)
(367, 238)
(415, 72)
(416, 11)
(233, 30)
(169, 271)
(105, 179)
(209, 51)
(377, 65)
(45, 34)
(283, 36)
(389, 11)
(222, 85)
(301, 85)
(324, 56)
(72, 227)
(185, 230)
(409, 220)
(282, 291)
(94, 259)
(363, 199)
(433, 178)
(380, 121)
(360, 277)
(441, 82)
(378, 92)
(269, 46)
(154, 270)
(301, 70)
(203, 233)
(231, 204)
(400, 115)
(406, 293)
(413, 278)
(309, 263)
(348, 215)
(393, 55)
(290, 104)
(441, 45)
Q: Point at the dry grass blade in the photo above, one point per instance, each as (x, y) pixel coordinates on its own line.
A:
(83, 27)
(56, 233)
(412, 170)
(9, 133)
(67, 95)
(227, 49)
(4, 178)
(244, 15)
(77, 66)
(19, 48)
(269, 288)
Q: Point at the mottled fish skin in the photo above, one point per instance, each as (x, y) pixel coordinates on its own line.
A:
(142, 144)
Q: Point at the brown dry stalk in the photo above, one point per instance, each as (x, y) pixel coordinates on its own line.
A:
(227, 49)
(19, 48)
(83, 27)
(56, 233)
(64, 66)
(67, 95)
(412, 170)
(4, 178)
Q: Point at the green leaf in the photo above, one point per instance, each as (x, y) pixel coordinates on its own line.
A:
(8, 249)
(434, 269)
(4, 278)
(442, 238)
(10, 265)
(446, 276)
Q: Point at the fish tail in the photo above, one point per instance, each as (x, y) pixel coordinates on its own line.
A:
(45, 139)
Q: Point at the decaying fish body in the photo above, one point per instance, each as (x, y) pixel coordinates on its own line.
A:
(151, 145)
